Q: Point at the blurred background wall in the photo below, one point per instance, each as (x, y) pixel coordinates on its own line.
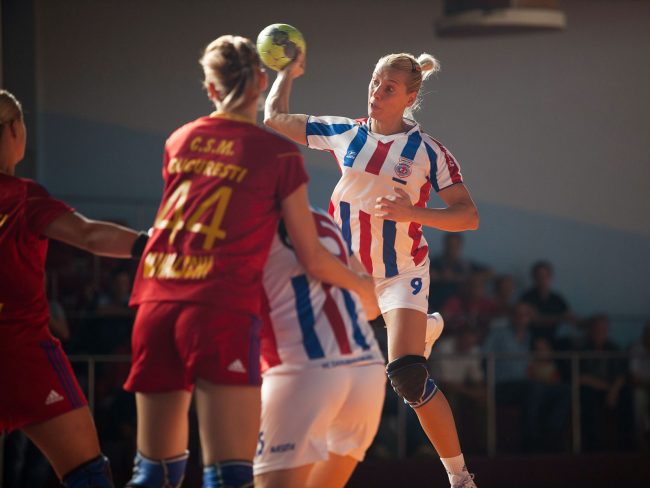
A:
(551, 129)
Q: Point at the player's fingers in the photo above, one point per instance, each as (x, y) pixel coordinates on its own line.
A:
(401, 192)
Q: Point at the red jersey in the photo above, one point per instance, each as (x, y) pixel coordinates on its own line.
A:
(225, 179)
(25, 210)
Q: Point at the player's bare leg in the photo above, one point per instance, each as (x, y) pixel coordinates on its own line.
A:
(285, 478)
(406, 330)
(333, 473)
(67, 441)
(225, 425)
(406, 338)
(163, 428)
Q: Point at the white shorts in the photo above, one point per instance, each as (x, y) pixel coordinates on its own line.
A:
(309, 414)
(407, 290)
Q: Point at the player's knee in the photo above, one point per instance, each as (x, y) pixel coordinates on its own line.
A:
(410, 379)
(231, 474)
(95, 473)
(149, 473)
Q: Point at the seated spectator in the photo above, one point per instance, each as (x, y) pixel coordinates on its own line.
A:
(510, 373)
(551, 307)
(504, 296)
(457, 367)
(470, 308)
(605, 398)
(115, 299)
(640, 377)
(550, 401)
(449, 269)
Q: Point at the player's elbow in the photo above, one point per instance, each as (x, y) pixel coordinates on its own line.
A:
(473, 218)
(271, 120)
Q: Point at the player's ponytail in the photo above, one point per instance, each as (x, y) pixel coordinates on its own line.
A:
(10, 108)
(230, 64)
(418, 70)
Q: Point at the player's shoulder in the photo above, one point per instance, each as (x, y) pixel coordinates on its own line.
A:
(430, 140)
(32, 188)
(279, 145)
(336, 120)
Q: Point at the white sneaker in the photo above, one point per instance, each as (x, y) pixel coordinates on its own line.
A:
(435, 324)
(463, 480)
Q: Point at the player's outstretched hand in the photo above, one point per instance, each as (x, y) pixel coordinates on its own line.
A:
(369, 298)
(395, 207)
(295, 68)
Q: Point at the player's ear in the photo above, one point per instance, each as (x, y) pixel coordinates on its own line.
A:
(411, 99)
(263, 80)
(212, 92)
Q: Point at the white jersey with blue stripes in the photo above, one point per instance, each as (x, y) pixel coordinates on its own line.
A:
(308, 323)
(372, 165)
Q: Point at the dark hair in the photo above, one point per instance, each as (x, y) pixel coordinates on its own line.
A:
(541, 265)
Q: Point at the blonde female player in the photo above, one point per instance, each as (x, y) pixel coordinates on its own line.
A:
(199, 284)
(39, 393)
(389, 166)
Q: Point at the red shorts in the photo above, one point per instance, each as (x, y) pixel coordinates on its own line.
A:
(36, 380)
(176, 343)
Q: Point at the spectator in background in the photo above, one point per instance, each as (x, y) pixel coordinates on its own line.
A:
(550, 400)
(511, 374)
(470, 307)
(640, 377)
(551, 307)
(449, 270)
(115, 299)
(457, 367)
(605, 398)
(504, 296)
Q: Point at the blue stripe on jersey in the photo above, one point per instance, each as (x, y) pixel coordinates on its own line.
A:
(320, 129)
(310, 340)
(344, 211)
(352, 312)
(412, 146)
(389, 232)
(356, 146)
(433, 166)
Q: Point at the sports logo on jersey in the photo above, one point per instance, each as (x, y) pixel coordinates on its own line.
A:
(403, 167)
(236, 366)
(351, 155)
(53, 397)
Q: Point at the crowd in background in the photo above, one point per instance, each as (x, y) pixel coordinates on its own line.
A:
(484, 313)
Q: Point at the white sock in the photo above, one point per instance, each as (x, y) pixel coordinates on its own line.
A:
(454, 465)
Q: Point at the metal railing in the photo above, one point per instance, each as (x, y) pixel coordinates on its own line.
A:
(490, 361)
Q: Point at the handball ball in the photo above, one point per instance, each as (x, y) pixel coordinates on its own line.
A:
(278, 45)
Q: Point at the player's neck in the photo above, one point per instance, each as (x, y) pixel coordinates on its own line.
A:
(7, 169)
(388, 128)
(244, 114)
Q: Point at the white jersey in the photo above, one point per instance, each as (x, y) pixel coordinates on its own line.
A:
(372, 165)
(308, 323)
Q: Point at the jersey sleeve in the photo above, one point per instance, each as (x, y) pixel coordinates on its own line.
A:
(325, 132)
(41, 209)
(292, 173)
(444, 168)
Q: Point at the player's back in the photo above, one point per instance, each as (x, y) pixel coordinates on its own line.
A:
(224, 181)
(308, 323)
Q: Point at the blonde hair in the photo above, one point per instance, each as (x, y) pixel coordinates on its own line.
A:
(230, 63)
(418, 70)
(10, 108)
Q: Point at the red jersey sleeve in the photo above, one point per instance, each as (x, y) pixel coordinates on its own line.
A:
(292, 173)
(41, 209)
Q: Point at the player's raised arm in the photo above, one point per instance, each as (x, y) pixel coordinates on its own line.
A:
(276, 107)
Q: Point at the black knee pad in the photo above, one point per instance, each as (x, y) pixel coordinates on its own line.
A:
(410, 379)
